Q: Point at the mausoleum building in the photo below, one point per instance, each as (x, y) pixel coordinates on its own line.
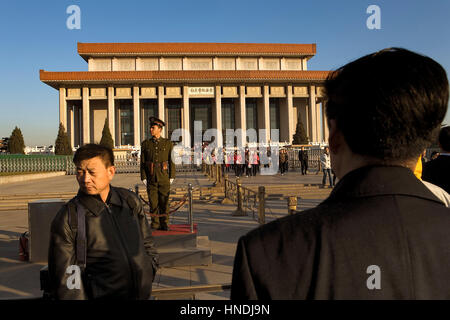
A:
(223, 85)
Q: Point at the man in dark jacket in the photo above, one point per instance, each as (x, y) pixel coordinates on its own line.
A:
(303, 158)
(381, 234)
(437, 171)
(120, 256)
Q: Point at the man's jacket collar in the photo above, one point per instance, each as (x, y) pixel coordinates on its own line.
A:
(380, 180)
(95, 204)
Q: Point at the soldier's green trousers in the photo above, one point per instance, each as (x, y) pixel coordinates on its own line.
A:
(158, 196)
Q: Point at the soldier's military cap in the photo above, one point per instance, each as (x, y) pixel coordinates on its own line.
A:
(156, 121)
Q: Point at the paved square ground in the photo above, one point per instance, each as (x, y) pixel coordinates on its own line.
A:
(215, 221)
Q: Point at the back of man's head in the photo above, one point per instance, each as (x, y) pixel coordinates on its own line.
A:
(389, 104)
(91, 150)
(444, 138)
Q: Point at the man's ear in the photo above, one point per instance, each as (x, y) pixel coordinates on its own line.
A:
(111, 171)
(334, 136)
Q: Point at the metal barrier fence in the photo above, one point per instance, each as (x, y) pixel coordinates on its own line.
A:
(34, 164)
(122, 166)
(65, 163)
(132, 165)
(215, 172)
(172, 209)
(313, 158)
(245, 198)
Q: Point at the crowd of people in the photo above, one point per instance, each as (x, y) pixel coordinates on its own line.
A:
(248, 163)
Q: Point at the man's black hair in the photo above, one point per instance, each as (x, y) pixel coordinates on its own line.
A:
(92, 150)
(444, 138)
(389, 104)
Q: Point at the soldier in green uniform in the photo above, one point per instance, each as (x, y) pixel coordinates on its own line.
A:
(157, 172)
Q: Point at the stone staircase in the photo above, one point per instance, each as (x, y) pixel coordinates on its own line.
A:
(179, 247)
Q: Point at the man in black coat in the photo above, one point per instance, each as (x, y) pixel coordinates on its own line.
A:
(116, 258)
(437, 171)
(381, 234)
(303, 158)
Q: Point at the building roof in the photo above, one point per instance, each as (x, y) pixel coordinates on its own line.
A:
(56, 79)
(87, 50)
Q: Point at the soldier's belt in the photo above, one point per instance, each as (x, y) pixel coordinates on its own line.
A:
(151, 166)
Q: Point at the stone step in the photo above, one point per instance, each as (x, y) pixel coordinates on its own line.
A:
(175, 257)
(25, 201)
(253, 187)
(178, 197)
(177, 191)
(173, 242)
(214, 194)
(178, 247)
(37, 196)
(14, 208)
(178, 236)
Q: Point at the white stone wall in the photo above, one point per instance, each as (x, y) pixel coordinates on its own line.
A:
(150, 64)
(195, 63)
(269, 64)
(198, 64)
(292, 64)
(124, 64)
(99, 64)
(170, 64)
(225, 64)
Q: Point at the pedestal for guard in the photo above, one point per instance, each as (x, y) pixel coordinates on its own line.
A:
(180, 247)
(40, 217)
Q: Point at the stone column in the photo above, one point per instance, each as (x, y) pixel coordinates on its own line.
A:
(266, 112)
(86, 116)
(71, 121)
(318, 123)
(306, 123)
(136, 116)
(161, 113)
(304, 64)
(63, 108)
(187, 124)
(111, 114)
(292, 117)
(242, 122)
(313, 114)
(76, 126)
(217, 115)
(325, 122)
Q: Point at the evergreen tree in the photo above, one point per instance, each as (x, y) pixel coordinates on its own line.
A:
(107, 139)
(62, 143)
(300, 136)
(16, 143)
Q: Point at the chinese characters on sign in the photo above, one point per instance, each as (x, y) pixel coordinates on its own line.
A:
(201, 91)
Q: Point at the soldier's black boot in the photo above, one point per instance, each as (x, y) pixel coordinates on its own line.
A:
(164, 223)
(155, 223)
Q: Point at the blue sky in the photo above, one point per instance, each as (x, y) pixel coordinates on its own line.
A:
(34, 36)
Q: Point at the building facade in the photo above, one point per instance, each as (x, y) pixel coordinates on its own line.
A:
(223, 85)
